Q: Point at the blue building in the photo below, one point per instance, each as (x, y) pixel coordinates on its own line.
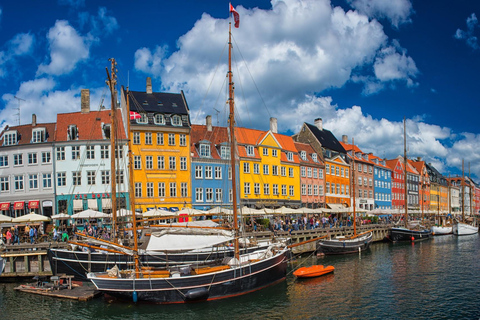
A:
(383, 183)
(211, 170)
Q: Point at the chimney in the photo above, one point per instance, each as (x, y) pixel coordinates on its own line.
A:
(273, 125)
(149, 85)
(419, 158)
(345, 139)
(85, 101)
(318, 123)
(209, 123)
(34, 120)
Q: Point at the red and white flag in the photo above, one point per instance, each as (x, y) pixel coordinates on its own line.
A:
(236, 16)
(134, 115)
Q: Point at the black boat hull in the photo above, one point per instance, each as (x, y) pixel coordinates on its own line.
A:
(338, 246)
(401, 234)
(213, 286)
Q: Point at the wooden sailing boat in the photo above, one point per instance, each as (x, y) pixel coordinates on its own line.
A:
(234, 276)
(347, 244)
(462, 228)
(406, 233)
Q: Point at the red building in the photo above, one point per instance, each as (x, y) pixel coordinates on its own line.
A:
(398, 180)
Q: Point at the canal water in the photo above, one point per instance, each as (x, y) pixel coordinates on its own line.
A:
(437, 279)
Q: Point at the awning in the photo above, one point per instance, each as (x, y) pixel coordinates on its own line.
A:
(18, 205)
(92, 204)
(33, 204)
(4, 206)
(336, 206)
(77, 204)
(106, 204)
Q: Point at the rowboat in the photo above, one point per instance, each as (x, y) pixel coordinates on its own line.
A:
(313, 271)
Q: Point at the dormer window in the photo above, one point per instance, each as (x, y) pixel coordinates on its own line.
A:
(145, 103)
(250, 151)
(143, 118)
(72, 132)
(290, 156)
(176, 120)
(314, 157)
(174, 104)
(38, 135)
(205, 150)
(106, 131)
(303, 155)
(225, 152)
(160, 103)
(10, 138)
(159, 119)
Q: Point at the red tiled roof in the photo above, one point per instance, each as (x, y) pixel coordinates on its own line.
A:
(24, 132)
(217, 136)
(88, 125)
(309, 150)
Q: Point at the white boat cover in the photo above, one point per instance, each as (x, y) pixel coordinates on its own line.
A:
(184, 242)
(198, 223)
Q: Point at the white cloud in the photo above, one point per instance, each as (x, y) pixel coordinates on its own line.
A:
(67, 49)
(72, 3)
(396, 11)
(470, 39)
(21, 44)
(148, 62)
(100, 25)
(391, 65)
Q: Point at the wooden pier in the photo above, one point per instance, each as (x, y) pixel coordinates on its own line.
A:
(81, 293)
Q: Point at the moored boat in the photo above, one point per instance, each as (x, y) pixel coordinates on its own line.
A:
(345, 245)
(464, 229)
(313, 271)
(441, 230)
(406, 234)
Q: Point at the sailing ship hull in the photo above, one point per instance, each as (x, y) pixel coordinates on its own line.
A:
(2, 265)
(402, 234)
(463, 229)
(79, 263)
(345, 246)
(440, 230)
(211, 286)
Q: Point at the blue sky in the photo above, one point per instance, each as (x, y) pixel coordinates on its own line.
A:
(361, 65)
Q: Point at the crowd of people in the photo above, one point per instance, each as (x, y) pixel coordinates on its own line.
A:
(14, 235)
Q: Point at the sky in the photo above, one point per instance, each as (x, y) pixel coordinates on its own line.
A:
(360, 65)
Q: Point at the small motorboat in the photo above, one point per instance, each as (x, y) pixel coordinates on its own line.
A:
(313, 271)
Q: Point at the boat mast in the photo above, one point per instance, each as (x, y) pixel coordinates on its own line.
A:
(463, 191)
(405, 171)
(112, 82)
(231, 123)
(353, 193)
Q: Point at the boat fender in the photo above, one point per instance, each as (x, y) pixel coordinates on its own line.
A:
(135, 296)
(197, 294)
(413, 238)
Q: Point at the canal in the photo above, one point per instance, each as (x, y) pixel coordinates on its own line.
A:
(437, 279)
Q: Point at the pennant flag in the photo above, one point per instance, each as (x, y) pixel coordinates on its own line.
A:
(236, 16)
(134, 115)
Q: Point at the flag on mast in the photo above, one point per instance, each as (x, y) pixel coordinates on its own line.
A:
(134, 115)
(236, 16)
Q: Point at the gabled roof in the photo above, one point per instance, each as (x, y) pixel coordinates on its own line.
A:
(309, 151)
(218, 136)
(379, 164)
(24, 132)
(392, 163)
(89, 125)
(326, 138)
(162, 102)
(434, 175)
(350, 147)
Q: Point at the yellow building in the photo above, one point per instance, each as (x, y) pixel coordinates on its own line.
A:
(160, 136)
(269, 168)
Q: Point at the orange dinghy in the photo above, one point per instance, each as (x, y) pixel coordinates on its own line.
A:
(313, 271)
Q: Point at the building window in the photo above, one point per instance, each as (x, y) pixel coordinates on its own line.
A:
(256, 168)
(208, 173)
(173, 189)
(209, 194)
(77, 178)
(246, 167)
(337, 171)
(105, 174)
(18, 159)
(225, 152)
(104, 152)
(274, 153)
(46, 157)
(266, 189)
(346, 172)
(90, 152)
(90, 178)
(143, 118)
(218, 195)
(290, 172)
(61, 179)
(275, 189)
(309, 172)
(283, 171)
(309, 189)
(149, 189)
(148, 139)
(137, 162)
(172, 163)
(291, 191)
(265, 169)
(161, 189)
(160, 139)
(18, 182)
(32, 158)
(75, 152)
(274, 170)
(265, 151)
(199, 194)
(60, 153)
(138, 188)
(136, 137)
(118, 152)
(47, 180)
(256, 188)
(38, 135)
(183, 140)
(284, 189)
(184, 190)
(302, 172)
(198, 172)
(148, 162)
(314, 157)
(320, 190)
(183, 163)
(303, 155)
(33, 181)
(315, 190)
(250, 151)
(304, 190)
(159, 119)
(176, 121)
(10, 138)
(360, 181)
(327, 168)
(290, 156)
(160, 162)
(218, 172)
(246, 187)
(204, 150)
(4, 184)
(171, 139)
(327, 187)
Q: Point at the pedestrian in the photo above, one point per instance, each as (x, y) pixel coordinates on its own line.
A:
(32, 234)
(55, 234)
(9, 236)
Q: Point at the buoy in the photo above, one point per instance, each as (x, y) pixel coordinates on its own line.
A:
(135, 296)
(413, 238)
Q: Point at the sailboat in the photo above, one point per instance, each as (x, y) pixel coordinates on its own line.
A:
(407, 233)
(234, 276)
(347, 244)
(440, 230)
(461, 228)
